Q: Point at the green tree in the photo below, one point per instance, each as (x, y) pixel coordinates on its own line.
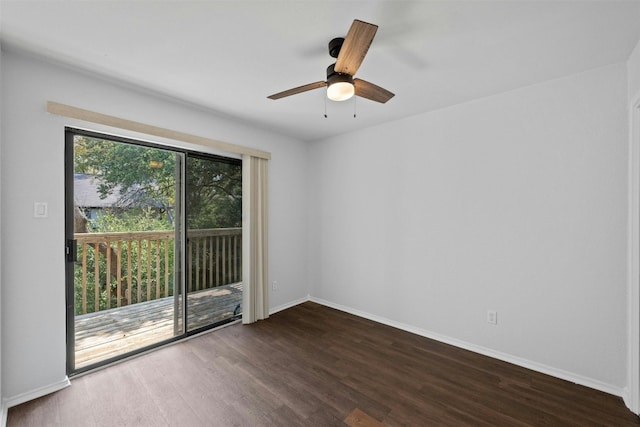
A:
(148, 175)
(214, 194)
(135, 169)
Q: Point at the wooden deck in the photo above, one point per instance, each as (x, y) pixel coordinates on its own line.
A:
(109, 333)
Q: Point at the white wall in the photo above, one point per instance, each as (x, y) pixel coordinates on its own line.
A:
(33, 304)
(633, 387)
(633, 67)
(514, 203)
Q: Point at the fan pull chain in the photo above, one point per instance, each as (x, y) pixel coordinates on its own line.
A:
(354, 106)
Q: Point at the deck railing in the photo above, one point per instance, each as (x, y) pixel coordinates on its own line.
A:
(117, 269)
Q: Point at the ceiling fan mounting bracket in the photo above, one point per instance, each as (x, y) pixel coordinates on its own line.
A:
(334, 46)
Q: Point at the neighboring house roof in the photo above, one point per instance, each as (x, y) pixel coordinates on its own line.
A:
(87, 195)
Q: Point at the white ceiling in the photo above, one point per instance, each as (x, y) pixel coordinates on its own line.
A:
(228, 56)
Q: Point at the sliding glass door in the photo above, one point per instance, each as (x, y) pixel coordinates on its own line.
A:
(214, 239)
(147, 225)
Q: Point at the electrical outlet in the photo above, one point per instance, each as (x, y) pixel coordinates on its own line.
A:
(492, 317)
(274, 285)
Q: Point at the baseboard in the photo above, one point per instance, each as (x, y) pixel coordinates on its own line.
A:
(289, 305)
(515, 360)
(632, 404)
(626, 397)
(33, 394)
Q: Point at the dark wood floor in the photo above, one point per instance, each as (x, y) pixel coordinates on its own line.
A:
(314, 366)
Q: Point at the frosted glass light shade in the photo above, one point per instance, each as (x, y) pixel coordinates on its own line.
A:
(340, 91)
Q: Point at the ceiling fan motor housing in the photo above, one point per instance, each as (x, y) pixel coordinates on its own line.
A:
(333, 77)
(334, 46)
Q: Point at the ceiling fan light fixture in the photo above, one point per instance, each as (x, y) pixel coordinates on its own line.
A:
(340, 91)
(339, 86)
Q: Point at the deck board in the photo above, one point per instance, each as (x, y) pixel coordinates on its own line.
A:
(108, 333)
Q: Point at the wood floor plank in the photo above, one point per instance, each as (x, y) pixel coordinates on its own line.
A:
(358, 418)
(163, 394)
(313, 366)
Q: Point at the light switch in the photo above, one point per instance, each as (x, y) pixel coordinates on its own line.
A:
(40, 210)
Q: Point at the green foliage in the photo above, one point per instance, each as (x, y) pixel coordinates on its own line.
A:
(137, 169)
(135, 219)
(214, 188)
(152, 284)
(145, 272)
(214, 194)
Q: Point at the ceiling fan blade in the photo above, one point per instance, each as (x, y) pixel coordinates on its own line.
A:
(355, 47)
(297, 90)
(371, 91)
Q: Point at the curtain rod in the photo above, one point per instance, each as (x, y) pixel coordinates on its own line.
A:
(104, 119)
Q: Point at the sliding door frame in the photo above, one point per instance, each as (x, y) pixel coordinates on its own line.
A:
(70, 250)
(181, 240)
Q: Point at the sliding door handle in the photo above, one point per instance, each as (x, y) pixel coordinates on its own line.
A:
(72, 250)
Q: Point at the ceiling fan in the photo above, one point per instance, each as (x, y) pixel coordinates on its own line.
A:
(350, 52)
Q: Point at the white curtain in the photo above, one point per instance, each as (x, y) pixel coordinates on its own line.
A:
(255, 260)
